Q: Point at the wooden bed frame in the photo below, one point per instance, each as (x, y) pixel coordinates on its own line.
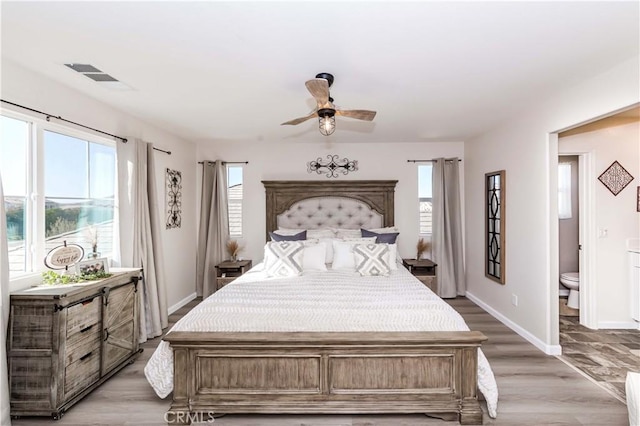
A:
(434, 373)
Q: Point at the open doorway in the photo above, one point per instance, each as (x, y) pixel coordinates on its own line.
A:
(605, 220)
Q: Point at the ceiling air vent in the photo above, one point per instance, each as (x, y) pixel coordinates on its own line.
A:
(98, 76)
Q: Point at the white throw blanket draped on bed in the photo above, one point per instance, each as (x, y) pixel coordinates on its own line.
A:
(320, 301)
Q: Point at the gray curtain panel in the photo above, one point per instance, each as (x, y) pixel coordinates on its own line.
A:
(447, 228)
(5, 418)
(213, 232)
(140, 233)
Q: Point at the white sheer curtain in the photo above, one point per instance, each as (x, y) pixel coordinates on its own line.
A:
(213, 233)
(140, 232)
(447, 228)
(5, 418)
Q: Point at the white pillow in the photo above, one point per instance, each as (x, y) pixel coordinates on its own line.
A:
(386, 230)
(328, 245)
(288, 231)
(313, 257)
(343, 256)
(311, 233)
(348, 233)
(372, 259)
(360, 240)
(320, 233)
(343, 252)
(283, 258)
(393, 256)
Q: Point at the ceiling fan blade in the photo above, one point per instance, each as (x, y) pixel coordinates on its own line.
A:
(319, 89)
(360, 114)
(299, 120)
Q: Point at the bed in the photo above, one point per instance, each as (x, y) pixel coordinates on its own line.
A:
(324, 341)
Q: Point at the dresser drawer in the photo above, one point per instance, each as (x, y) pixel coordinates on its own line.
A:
(82, 343)
(84, 314)
(83, 370)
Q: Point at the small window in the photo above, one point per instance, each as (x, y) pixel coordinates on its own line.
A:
(234, 196)
(564, 190)
(425, 194)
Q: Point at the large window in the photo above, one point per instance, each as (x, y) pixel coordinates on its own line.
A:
(59, 186)
(234, 195)
(425, 197)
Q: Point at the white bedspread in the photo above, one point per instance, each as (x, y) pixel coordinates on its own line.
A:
(320, 301)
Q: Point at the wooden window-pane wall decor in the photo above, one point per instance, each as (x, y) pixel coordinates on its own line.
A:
(495, 226)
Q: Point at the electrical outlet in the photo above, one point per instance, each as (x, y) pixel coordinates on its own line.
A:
(514, 300)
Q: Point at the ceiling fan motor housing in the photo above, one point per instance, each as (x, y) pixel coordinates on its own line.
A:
(326, 76)
(326, 112)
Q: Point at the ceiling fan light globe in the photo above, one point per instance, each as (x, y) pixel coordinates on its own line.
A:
(327, 125)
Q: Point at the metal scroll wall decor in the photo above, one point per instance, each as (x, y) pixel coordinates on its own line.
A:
(615, 178)
(333, 166)
(495, 220)
(174, 198)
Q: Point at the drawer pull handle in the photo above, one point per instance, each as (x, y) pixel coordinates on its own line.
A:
(83, 357)
(87, 328)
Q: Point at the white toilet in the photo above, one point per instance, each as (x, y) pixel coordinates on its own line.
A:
(571, 280)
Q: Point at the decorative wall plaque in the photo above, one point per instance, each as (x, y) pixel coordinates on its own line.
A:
(615, 178)
(332, 166)
(174, 198)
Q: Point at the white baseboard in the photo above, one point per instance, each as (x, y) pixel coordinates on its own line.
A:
(628, 325)
(181, 303)
(547, 349)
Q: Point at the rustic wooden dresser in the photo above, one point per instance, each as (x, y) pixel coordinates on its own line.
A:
(64, 341)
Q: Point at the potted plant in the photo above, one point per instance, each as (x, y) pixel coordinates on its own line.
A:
(233, 248)
(422, 247)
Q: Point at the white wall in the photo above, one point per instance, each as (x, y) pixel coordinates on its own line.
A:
(522, 146)
(271, 161)
(27, 88)
(615, 214)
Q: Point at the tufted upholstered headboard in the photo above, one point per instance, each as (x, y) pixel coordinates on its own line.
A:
(317, 204)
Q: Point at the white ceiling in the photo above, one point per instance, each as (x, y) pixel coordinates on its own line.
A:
(233, 71)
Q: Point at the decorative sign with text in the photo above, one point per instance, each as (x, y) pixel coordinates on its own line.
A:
(63, 256)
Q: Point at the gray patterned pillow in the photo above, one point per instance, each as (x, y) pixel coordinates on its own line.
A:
(372, 259)
(284, 258)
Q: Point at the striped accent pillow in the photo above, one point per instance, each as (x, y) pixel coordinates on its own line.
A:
(372, 259)
(283, 258)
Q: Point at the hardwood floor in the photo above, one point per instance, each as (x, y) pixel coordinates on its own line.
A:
(604, 355)
(535, 389)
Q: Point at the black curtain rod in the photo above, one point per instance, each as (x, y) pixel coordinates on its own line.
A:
(49, 116)
(225, 162)
(162, 150)
(431, 161)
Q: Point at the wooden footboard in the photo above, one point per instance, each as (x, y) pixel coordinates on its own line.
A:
(298, 372)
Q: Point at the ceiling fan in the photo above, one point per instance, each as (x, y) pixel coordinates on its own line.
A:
(326, 110)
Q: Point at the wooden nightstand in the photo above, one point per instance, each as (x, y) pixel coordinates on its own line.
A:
(424, 270)
(229, 270)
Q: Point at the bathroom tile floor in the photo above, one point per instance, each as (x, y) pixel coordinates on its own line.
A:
(604, 355)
